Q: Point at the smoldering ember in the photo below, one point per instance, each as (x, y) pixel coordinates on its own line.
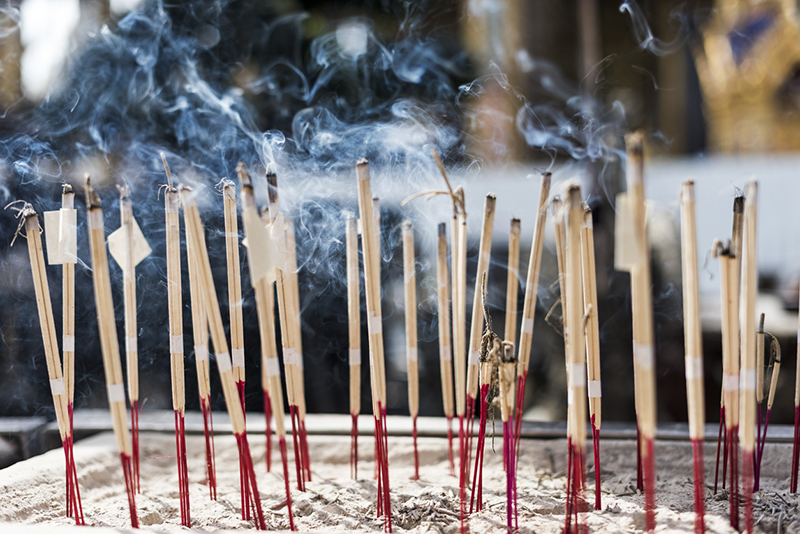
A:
(310, 266)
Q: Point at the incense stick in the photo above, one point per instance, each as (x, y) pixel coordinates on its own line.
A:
(354, 336)
(108, 341)
(47, 326)
(593, 389)
(747, 406)
(371, 247)
(507, 379)
(476, 327)
(234, 285)
(175, 306)
(200, 334)
(529, 304)
(445, 349)
(220, 344)
(512, 282)
(796, 438)
(693, 336)
(410, 283)
(261, 278)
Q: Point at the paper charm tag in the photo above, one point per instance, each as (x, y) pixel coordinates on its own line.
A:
(117, 245)
(257, 243)
(61, 236)
(626, 253)
(277, 233)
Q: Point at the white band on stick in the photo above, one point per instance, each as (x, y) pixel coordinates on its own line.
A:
(595, 391)
(375, 324)
(694, 368)
(116, 393)
(131, 344)
(570, 396)
(748, 380)
(272, 367)
(223, 362)
(411, 354)
(474, 357)
(354, 357)
(57, 386)
(69, 343)
(201, 352)
(238, 357)
(527, 325)
(577, 375)
(643, 355)
(445, 353)
(232, 235)
(730, 383)
(176, 344)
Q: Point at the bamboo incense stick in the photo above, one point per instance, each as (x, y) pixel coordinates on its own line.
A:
(58, 389)
(354, 335)
(220, 344)
(576, 351)
(529, 304)
(445, 349)
(410, 283)
(108, 341)
(234, 286)
(371, 248)
(476, 327)
(200, 334)
(512, 284)
(642, 310)
(693, 338)
(175, 306)
(261, 278)
(747, 405)
(592, 332)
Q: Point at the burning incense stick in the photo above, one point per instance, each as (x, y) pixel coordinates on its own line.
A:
(529, 305)
(748, 350)
(371, 247)
(632, 254)
(410, 283)
(200, 333)
(576, 353)
(234, 286)
(445, 349)
(208, 291)
(30, 222)
(262, 278)
(775, 363)
(108, 340)
(175, 305)
(593, 389)
(476, 327)
(354, 336)
(693, 335)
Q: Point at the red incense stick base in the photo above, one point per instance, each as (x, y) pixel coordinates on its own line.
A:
(354, 446)
(74, 506)
(183, 471)
(268, 430)
(208, 434)
(252, 497)
(298, 451)
(128, 474)
(720, 437)
(285, 462)
(416, 451)
(384, 505)
(518, 412)
(511, 476)
(598, 505)
(733, 456)
(477, 476)
(462, 477)
(699, 487)
(450, 445)
(306, 464)
(748, 461)
(649, 468)
(137, 486)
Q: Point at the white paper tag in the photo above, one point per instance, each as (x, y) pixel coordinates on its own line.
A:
(577, 375)
(272, 367)
(95, 218)
(354, 357)
(131, 344)
(411, 354)
(223, 362)
(748, 380)
(68, 343)
(375, 324)
(527, 325)
(238, 357)
(176, 344)
(570, 396)
(289, 356)
(474, 357)
(57, 386)
(118, 243)
(595, 391)
(445, 353)
(730, 383)
(643, 356)
(201, 352)
(116, 393)
(694, 368)
(626, 247)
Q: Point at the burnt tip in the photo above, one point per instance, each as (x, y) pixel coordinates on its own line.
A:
(66, 189)
(361, 162)
(244, 176)
(634, 143)
(738, 204)
(92, 198)
(442, 229)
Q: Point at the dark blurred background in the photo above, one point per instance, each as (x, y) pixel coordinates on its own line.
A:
(501, 88)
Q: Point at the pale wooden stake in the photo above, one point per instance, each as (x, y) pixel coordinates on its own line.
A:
(445, 349)
(353, 314)
(512, 282)
(234, 283)
(589, 272)
(410, 283)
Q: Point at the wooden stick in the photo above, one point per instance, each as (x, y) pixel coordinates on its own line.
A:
(261, 280)
(354, 335)
(529, 303)
(445, 348)
(560, 226)
(410, 283)
(748, 350)
(200, 334)
(234, 286)
(220, 344)
(371, 246)
(507, 381)
(512, 282)
(775, 362)
(68, 308)
(107, 327)
(458, 269)
(592, 331)
(693, 338)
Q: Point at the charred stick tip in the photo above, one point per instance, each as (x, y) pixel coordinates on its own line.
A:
(92, 198)
(272, 186)
(66, 189)
(244, 176)
(442, 229)
(167, 170)
(634, 142)
(738, 204)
